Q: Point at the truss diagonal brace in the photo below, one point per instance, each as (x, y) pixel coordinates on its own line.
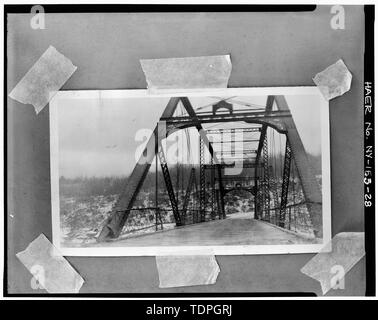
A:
(264, 127)
(285, 185)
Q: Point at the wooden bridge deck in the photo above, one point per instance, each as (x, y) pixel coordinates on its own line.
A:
(237, 229)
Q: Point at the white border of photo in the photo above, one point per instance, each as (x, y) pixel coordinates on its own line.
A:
(188, 250)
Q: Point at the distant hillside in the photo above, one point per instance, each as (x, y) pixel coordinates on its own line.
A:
(94, 186)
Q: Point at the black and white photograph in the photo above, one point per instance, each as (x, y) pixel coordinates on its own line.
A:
(188, 150)
(239, 171)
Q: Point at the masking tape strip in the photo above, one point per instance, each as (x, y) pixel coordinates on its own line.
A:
(44, 79)
(335, 260)
(334, 81)
(186, 74)
(186, 270)
(50, 270)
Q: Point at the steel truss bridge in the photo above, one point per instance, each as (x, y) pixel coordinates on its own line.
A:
(282, 186)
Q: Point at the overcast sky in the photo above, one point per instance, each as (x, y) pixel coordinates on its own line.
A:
(97, 136)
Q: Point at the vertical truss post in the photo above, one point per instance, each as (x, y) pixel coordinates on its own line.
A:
(265, 185)
(168, 184)
(273, 186)
(202, 182)
(285, 184)
(260, 207)
(233, 148)
(212, 182)
(197, 192)
(221, 206)
(177, 175)
(221, 192)
(157, 211)
(187, 193)
(257, 193)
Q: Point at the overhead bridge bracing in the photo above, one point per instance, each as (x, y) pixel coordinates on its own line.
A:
(262, 186)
